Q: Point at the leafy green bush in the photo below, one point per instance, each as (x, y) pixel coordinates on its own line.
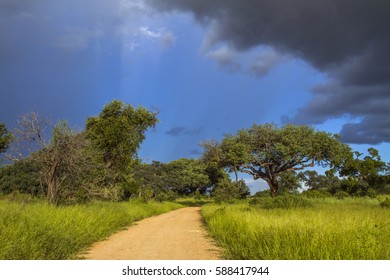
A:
(385, 203)
(23, 177)
(166, 196)
(371, 193)
(226, 190)
(341, 194)
(316, 194)
(265, 193)
(285, 201)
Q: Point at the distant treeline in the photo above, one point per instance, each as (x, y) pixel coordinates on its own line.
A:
(100, 162)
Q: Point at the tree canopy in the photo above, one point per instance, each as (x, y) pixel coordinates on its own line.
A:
(118, 132)
(267, 151)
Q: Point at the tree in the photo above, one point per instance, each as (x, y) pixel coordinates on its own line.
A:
(188, 176)
(59, 159)
(5, 138)
(315, 181)
(62, 160)
(230, 155)
(22, 177)
(289, 182)
(267, 151)
(366, 169)
(225, 190)
(118, 132)
(179, 177)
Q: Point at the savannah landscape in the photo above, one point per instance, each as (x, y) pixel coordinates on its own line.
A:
(197, 129)
(69, 194)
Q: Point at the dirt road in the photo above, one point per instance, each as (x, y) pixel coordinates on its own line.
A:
(177, 235)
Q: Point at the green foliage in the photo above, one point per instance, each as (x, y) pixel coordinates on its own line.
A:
(265, 193)
(369, 172)
(370, 166)
(5, 138)
(385, 203)
(285, 201)
(188, 176)
(288, 182)
(267, 151)
(118, 132)
(314, 181)
(38, 231)
(64, 163)
(168, 180)
(316, 194)
(341, 194)
(357, 229)
(22, 176)
(226, 190)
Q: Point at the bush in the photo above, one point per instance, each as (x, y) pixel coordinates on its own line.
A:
(166, 196)
(371, 193)
(316, 194)
(265, 193)
(341, 194)
(22, 177)
(286, 201)
(385, 203)
(226, 190)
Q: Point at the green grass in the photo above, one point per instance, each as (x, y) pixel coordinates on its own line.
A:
(349, 229)
(40, 231)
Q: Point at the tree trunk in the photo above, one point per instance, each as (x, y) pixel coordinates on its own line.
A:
(52, 185)
(51, 192)
(236, 175)
(273, 185)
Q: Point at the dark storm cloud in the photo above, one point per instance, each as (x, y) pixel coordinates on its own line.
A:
(347, 40)
(181, 130)
(11, 7)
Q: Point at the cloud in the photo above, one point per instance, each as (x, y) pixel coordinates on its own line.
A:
(12, 7)
(166, 38)
(226, 58)
(76, 39)
(177, 131)
(265, 61)
(346, 40)
(371, 130)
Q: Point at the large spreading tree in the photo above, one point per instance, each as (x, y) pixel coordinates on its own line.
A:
(268, 151)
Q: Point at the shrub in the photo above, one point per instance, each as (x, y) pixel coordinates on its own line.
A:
(316, 194)
(285, 201)
(371, 193)
(23, 177)
(166, 196)
(226, 190)
(385, 203)
(341, 194)
(265, 193)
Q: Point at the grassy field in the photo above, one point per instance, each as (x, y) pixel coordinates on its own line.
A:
(350, 229)
(40, 231)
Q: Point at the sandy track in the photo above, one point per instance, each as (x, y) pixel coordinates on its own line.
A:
(177, 235)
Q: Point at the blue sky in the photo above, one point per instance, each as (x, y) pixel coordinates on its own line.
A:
(207, 72)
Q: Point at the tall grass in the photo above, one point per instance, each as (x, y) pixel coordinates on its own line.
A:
(352, 229)
(41, 231)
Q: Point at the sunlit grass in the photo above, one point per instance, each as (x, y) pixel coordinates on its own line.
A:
(41, 231)
(351, 229)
